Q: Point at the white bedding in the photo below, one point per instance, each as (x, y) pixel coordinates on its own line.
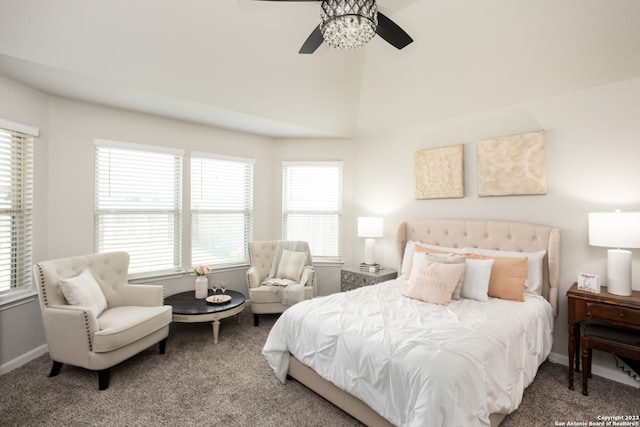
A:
(416, 363)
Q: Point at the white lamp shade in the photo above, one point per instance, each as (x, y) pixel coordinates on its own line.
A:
(369, 226)
(614, 229)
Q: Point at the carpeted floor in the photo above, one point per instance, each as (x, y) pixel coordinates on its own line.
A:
(197, 383)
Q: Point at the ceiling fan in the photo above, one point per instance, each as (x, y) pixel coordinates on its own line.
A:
(350, 24)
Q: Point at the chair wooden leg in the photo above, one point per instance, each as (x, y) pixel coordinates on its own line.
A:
(163, 345)
(255, 320)
(103, 378)
(55, 369)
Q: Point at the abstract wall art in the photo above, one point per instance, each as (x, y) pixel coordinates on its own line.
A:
(439, 172)
(512, 165)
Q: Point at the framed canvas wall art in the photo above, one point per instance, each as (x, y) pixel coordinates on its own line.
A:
(439, 172)
(512, 165)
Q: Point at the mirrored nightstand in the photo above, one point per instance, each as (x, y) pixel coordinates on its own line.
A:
(353, 277)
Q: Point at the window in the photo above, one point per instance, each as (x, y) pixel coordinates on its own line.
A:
(16, 205)
(312, 206)
(221, 209)
(138, 199)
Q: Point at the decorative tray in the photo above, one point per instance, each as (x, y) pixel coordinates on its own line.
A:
(218, 299)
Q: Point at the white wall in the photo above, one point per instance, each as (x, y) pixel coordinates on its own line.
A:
(592, 150)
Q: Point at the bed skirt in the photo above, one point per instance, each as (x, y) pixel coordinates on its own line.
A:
(345, 401)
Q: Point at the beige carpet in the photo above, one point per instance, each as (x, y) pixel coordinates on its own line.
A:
(197, 383)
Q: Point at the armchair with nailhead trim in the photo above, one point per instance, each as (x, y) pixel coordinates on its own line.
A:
(261, 257)
(134, 318)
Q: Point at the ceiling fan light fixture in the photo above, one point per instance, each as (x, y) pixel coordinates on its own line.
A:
(348, 24)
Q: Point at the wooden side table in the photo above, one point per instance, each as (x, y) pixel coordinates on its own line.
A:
(602, 308)
(353, 278)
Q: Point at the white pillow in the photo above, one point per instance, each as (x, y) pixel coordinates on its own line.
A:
(476, 279)
(535, 272)
(83, 290)
(291, 265)
(408, 254)
(406, 257)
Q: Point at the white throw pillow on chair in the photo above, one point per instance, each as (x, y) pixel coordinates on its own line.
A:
(291, 265)
(83, 290)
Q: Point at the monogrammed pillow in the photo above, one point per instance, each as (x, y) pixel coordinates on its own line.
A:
(446, 259)
(434, 281)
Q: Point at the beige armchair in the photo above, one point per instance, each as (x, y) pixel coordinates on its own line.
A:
(106, 320)
(265, 258)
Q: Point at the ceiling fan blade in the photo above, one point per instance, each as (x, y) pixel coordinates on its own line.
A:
(391, 32)
(313, 41)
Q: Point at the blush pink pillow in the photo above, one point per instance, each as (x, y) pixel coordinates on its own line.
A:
(433, 281)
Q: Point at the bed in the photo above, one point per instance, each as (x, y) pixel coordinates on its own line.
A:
(391, 360)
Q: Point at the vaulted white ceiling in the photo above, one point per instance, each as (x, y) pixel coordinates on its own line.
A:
(235, 63)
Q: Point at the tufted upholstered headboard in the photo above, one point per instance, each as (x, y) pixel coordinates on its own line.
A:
(497, 235)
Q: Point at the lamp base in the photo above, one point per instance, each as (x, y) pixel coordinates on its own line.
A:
(370, 251)
(619, 272)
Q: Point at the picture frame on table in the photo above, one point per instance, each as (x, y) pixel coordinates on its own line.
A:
(589, 282)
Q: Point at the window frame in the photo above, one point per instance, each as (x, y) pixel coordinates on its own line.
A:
(21, 139)
(338, 213)
(247, 210)
(176, 212)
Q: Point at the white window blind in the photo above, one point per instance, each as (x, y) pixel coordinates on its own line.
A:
(16, 205)
(221, 209)
(312, 206)
(138, 199)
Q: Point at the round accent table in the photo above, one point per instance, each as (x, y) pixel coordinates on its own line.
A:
(187, 309)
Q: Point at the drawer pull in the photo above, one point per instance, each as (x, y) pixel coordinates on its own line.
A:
(621, 315)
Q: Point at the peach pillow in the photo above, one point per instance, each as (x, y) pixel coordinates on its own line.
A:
(433, 281)
(419, 249)
(508, 277)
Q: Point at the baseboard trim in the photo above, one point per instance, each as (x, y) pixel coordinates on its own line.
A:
(22, 359)
(602, 371)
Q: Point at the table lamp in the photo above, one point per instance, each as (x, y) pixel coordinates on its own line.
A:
(369, 227)
(616, 230)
